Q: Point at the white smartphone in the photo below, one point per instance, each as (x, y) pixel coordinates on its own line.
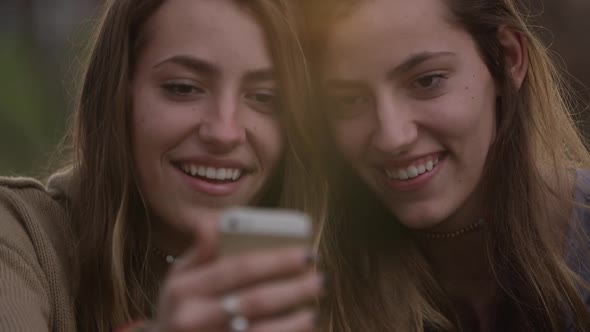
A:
(242, 229)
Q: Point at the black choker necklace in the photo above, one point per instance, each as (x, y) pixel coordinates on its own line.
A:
(450, 235)
(166, 257)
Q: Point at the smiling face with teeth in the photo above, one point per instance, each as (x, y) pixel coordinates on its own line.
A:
(412, 109)
(206, 128)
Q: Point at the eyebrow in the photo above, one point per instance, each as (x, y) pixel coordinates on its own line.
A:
(410, 63)
(192, 64)
(208, 69)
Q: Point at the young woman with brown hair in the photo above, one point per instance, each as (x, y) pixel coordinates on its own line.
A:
(180, 115)
(457, 200)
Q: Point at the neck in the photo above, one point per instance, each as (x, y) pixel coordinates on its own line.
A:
(169, 240)
(460, 262)
(462, 268)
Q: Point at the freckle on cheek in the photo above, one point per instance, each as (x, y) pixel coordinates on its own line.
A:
(467, 88)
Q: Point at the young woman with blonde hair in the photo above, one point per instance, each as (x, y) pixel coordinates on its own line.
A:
(181, 114)
(457, 190)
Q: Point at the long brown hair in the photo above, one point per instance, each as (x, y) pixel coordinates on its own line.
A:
(379, 281)
(108, 214)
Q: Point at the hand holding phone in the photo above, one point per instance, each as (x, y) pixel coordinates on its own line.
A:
(255, 284)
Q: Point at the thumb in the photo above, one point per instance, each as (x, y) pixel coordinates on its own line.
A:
(205, 240)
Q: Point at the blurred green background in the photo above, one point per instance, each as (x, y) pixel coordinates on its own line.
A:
(40, 41)
(39, 45)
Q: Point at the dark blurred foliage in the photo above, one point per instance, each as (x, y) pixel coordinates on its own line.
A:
(564, 25)
(41, 40)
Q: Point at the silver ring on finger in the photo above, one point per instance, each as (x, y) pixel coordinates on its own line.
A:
(238, 323)
(231, 306)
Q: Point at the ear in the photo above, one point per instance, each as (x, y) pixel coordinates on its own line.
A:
(515, 47)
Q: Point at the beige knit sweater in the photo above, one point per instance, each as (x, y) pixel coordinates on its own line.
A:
(36, 251)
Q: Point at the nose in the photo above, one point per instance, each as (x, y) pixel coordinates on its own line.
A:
(220, 131)
(396, 128)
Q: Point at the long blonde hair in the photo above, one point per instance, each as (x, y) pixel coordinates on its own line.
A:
(379, 280)
(108, 216)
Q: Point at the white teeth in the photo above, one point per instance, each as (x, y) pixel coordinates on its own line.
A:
(402, 174)
(220, 174)
(211, 173)
(421, 169)
(411, 171)
(429, 165)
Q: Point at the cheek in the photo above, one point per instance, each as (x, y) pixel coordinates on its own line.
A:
(466, 117)
(159, 125)
(266, 134)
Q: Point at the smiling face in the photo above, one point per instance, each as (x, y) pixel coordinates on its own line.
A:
(412, 108)
(206, 133)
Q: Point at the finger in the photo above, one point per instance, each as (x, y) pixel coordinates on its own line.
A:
(280, 296)
(207, 235)
(205, 242)
(190, 258)
(198, 315)
(235, 272)
(301, 321)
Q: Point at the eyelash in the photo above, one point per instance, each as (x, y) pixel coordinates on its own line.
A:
(271, 96)
(188, 91)
(175, 88)
(270, 103)
(438, 77)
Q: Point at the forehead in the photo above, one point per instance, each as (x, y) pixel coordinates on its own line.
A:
(391, 30)
(206, 29)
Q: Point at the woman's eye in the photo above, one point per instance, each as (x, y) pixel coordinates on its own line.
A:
(262, 98)
(349, 105)
(265, 102)
(429, 81)
(183, 89)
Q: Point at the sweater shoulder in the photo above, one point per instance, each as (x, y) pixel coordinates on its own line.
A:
(34, 227)
(28, 208)
(35, 219)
